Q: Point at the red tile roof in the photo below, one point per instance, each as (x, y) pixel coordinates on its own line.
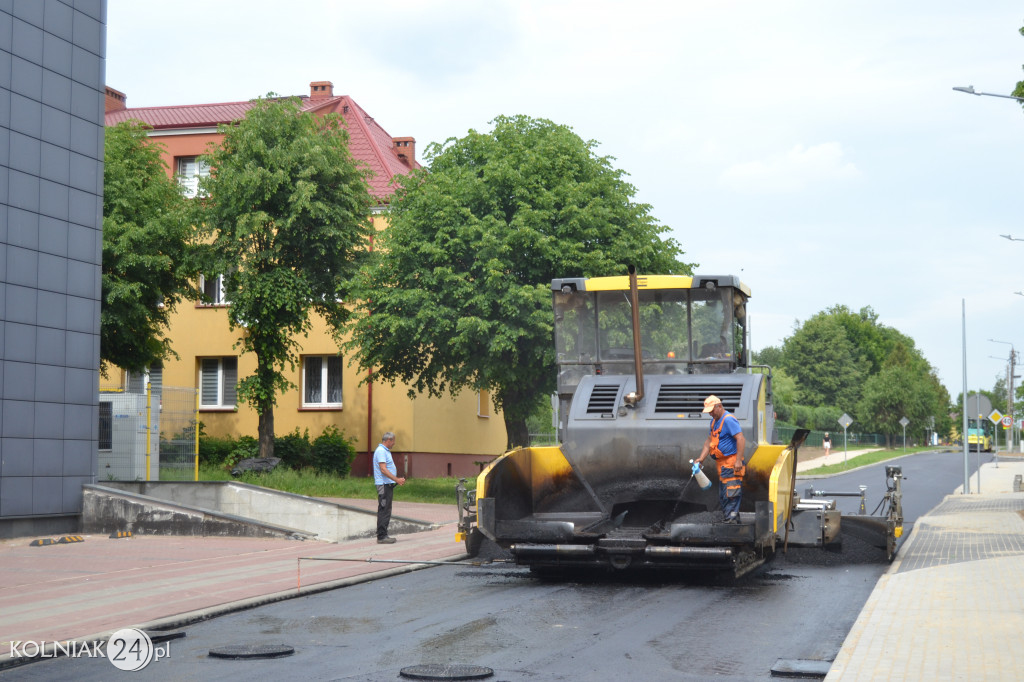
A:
(368, 141)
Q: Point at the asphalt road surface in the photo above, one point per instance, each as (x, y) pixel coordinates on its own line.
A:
(800, 606)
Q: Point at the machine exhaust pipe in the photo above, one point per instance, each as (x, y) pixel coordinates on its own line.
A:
(634, 301)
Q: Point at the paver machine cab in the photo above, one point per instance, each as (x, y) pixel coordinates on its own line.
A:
(636, 357)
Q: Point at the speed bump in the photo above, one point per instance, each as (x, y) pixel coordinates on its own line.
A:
(68, 539)
(121, 534)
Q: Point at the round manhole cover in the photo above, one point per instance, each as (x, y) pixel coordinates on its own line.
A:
(252, 651)
(446, 671)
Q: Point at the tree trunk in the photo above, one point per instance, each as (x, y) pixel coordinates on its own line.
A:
(266, 432)
(517, 433)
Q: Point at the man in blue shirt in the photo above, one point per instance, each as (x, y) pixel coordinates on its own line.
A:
(385, 476)
(727, 446)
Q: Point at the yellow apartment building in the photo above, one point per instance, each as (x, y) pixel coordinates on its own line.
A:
(435, 437)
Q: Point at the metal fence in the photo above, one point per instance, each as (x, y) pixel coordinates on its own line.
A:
(148, 435)
(179, 443)
(815, 438)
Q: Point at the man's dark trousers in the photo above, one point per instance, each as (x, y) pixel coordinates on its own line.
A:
(385, 496)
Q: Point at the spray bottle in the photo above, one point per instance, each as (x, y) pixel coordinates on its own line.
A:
(702, 479)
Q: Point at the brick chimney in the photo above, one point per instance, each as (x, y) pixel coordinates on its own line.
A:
(405, 147)
(115, 100)
(321, 89)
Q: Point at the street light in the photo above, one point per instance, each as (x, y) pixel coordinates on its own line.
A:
(969, 89)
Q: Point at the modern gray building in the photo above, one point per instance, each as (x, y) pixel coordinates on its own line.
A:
(51, 200)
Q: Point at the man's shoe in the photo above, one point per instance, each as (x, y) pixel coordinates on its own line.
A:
(386, 541)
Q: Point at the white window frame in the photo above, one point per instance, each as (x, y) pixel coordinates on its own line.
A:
(325, 370)
(226, 372)
(188, 170)
(218, 295)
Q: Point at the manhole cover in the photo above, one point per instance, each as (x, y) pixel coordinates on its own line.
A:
(449, 671)
(253, 651)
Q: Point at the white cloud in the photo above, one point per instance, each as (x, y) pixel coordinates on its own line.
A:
(791, 172)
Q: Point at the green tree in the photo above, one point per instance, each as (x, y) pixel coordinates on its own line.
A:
(827, 367)
(904, 387)
(287, 209)
(149, 251)
(461, 297)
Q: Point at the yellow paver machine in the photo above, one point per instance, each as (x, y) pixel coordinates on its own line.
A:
(636, 357)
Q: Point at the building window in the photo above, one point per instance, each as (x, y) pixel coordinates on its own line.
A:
(106, 425)
(189, 170)
(483, 403)
(213, 290)
(218, 381)
(321, 381)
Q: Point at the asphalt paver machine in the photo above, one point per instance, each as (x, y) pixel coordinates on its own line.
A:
(636, 357)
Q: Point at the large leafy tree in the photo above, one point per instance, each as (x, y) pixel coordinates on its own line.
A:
(461, 295)
(826, 365)
(904, 387)
(149, 250)
(287, 210)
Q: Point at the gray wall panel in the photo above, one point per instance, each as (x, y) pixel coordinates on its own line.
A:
(80, 422)
(19, 419)
(22, 228)
(57, 19)
(15, 496)
(54, 199)
(48, 457)
(79, 385)
(50, 422)
(20, 342)
(20, 304)
(53, 310)
(19, 381)
(47, 494)
(51, 383)
(53, 239)
(79, 458)
(17, 456)
(51, 104)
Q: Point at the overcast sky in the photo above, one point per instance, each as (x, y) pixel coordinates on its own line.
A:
(816, 149)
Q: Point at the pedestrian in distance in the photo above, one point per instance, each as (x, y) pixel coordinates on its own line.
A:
(826, 443)
(385, 476)
(726, 445)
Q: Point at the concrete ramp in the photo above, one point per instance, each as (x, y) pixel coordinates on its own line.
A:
(225, 508)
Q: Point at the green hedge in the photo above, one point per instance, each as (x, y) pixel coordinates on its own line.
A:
(330, 453)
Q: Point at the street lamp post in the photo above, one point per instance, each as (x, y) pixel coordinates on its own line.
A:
(969, 89)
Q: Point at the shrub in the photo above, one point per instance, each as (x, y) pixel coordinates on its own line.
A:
(293, 449)
(245, 448)
(332, 453)
(214, 450)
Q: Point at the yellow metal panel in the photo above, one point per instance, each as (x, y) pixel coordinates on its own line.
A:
(781, 484)
(621, 283)
(536, 465)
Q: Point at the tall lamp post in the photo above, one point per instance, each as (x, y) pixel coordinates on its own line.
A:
(969, 89)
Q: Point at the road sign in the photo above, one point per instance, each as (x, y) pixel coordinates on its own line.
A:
(1007, 421)
(845, 420)
(904, 421)
(995, 416)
